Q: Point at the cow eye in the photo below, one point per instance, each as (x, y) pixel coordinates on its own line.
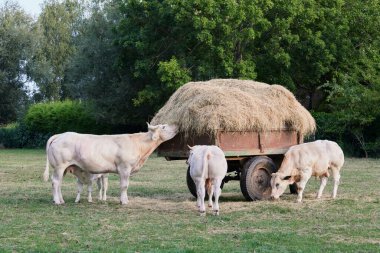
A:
(277, 185)
(163, 127)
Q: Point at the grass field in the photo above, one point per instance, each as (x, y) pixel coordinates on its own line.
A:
(161, 215)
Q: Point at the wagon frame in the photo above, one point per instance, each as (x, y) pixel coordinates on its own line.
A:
(251, 156)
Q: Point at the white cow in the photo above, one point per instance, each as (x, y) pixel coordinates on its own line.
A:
(208, 167)
(305, 160)
(123, 154)
(84, 177)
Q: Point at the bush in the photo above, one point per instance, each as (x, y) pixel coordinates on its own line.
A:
(58, 117)
(18, 136)
(331, 126)
(45, 119)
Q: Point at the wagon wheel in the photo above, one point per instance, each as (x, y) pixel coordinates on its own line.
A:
(255, 178)
(191, 185)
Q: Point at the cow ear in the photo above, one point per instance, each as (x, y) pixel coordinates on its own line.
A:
(191, 148)
(287, 178)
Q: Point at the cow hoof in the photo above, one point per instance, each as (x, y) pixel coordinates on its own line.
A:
(216, 213)
(77, 201)
(202, 213)
(209, 205)
(123, 203)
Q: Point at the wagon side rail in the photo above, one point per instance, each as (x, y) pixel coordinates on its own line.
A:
(235, 145)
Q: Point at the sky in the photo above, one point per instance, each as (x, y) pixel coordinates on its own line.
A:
(31, 7)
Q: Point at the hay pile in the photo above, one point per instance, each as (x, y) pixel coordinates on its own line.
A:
(234, 105)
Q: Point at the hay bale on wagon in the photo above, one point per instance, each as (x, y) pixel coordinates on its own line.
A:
(234, 105)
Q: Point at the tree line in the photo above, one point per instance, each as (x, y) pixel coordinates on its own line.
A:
(124, 58)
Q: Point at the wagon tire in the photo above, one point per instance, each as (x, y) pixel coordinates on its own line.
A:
(255, 178)
(191, 185)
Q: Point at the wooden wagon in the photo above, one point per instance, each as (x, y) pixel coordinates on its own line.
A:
(253, 123)
(251, 156)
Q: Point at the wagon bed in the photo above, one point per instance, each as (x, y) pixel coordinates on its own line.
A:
(235, 145)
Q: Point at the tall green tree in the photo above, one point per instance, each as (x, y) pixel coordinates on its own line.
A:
(169, 42)
(93, 73)
(15, 51)
(310, 43)
(300, 44)
(354, 85)
(57, 26)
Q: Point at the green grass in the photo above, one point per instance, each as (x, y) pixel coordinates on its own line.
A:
(161, 215)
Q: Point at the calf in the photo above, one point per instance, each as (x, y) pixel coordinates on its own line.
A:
(83, 177)
(123, 154)
(208, 167)
(305, 160)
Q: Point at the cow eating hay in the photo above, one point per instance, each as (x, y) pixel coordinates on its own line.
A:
(123, 154)
(305, 160)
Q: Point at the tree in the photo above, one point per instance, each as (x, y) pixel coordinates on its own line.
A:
(15, 48)
(165, 43)
(56, 30)
(92, 73)
(353, 86)
(312, 47)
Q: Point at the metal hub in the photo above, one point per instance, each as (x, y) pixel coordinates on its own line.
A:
(261, 179)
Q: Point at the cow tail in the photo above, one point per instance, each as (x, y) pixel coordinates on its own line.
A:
(46, 173)
(205, 164)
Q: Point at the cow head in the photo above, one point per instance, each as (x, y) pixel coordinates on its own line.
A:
(279, 183)
(190, 154)
(162, 132)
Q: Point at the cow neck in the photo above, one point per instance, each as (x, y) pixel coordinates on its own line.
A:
(147, 146)
(285, 168)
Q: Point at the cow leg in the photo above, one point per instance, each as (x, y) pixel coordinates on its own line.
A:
(100, 187)
(105, 187)
(201, 192)
(305, 176)
(210, 191)
(124, 182)
(217, 191)
(56, 183)
(79, 191)
(300, 188)
(323, 184)
(336, 176)
(89, 190)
